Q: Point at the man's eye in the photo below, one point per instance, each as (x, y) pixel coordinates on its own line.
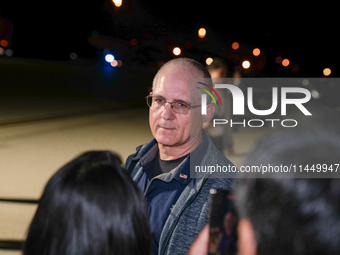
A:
(159, 100)
(181, 105)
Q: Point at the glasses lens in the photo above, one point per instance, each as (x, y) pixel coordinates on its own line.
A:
(156, 103)
(149, 101)
(180, 107)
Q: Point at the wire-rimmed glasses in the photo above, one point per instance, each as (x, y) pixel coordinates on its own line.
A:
(178, 106)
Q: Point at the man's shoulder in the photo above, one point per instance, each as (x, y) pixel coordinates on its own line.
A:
(209, 154)
(132, 157)
(213, 155)
(219, 183)
(221, 170)
(140, 151)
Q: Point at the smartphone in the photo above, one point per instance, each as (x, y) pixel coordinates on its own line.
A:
(223, 223)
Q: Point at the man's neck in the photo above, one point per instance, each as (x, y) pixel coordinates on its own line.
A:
(175, 152)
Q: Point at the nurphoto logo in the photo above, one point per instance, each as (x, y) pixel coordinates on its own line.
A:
(238, 104)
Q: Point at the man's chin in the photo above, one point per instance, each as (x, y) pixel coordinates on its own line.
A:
(166, 142)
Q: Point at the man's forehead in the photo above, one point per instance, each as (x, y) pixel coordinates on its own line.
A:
(176, 80)
(185, 92)
(175, 76)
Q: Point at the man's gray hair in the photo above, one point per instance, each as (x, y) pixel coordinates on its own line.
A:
(189, 65)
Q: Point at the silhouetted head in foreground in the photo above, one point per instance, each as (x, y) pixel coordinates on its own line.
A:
(90, 206)
(293, 215)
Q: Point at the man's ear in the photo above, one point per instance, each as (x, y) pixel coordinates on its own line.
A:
(210, 113)
(246, 238)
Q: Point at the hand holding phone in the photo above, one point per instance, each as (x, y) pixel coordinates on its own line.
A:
(223, 224)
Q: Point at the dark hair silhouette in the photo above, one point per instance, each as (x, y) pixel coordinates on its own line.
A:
(90, 206)
(294, 215)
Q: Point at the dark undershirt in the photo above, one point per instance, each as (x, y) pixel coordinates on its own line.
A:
(165, 166)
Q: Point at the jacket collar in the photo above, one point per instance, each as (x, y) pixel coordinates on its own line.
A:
(150, 149)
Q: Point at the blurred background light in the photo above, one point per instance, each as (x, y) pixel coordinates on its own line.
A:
(4, 43)
(95, 33)
(285, 62)
(73, 55)
(246, 64)
(235, 45)
(147, 35)
(327, 71)
(109, 58)
(209, 61)
(202, 32)
(256, 52)
(278, 60)
(114, 63)
(188, 45)
(295, 68)
(9, 53)
(315, 94)
(133, 42)
(260, 65)
(2, 51)
(176, 51)
(117, 3)
(305, 82)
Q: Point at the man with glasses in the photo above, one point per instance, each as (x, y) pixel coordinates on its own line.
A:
(178, 202)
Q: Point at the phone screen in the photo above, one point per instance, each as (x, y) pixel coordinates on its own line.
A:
(223, 223)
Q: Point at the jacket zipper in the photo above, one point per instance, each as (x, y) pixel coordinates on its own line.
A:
(177, 218)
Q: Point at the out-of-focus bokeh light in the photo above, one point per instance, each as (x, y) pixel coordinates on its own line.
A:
(209, 61)
(285, 62)
(9, 52)
(315, 94)
(188, 45)
(256, 52)
(2, 51)
(176, 51)
(327, 71)
(246, 64)
(202, 32)
(117, 3)
(295, 68)
(235, 45)
(133, 42)
(259, 65)
(147, 35)
(4, 43)
(305, 82)
(114, 63)
(73, 55)
(109, 58)
(278, 60)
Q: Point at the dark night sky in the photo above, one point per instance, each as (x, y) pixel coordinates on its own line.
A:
(306, 35)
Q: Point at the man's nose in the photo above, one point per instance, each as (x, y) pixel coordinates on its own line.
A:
(168, 112)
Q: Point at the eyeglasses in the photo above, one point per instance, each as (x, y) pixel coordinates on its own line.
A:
(178, 106)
